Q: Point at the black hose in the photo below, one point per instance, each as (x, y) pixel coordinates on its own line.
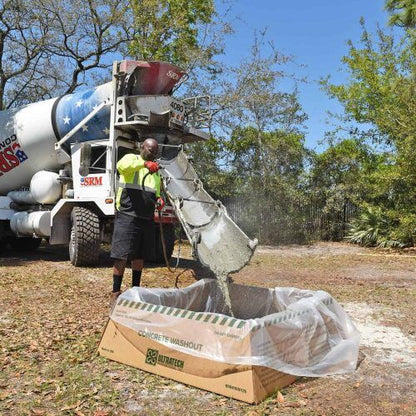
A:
(162, 236)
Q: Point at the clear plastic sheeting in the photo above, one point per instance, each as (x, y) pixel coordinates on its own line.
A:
(299, 332)
(217, 241)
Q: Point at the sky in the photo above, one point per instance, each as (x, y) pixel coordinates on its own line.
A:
(315, 33)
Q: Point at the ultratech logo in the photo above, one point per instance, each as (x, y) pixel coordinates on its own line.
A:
(11, 155)
(153, 357)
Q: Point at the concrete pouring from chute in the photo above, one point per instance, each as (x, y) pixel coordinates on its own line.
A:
(216, 239)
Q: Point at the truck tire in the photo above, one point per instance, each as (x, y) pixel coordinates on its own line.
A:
(25, 243)
(169, 235)
(84, 244)
(3, 241)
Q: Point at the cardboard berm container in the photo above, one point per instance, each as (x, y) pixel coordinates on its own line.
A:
(189, 336)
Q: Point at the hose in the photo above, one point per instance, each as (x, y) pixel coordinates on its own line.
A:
(162, 239)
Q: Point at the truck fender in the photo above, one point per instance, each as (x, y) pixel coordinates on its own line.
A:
(61, 218)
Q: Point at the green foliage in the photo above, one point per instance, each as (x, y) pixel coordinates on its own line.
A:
(372, 228)
(267, 169)
(344, 168)
(378, 227)
(381, 94)
(339, 180)
(276, 155)
(169, 30)
(405, 231)
(403, 12)
(381, 90)
(206, 158)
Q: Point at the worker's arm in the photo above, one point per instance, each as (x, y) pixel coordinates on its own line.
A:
(130, 163)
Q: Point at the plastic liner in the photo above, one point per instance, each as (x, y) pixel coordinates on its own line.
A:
(299, 332)
(216, 239)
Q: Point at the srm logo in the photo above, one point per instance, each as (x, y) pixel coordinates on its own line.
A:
(93, 181)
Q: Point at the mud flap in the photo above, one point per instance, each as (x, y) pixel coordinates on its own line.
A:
(216, 239)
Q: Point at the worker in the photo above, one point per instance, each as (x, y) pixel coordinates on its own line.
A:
(135, 206)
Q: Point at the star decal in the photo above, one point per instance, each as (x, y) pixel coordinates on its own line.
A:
(106, 130)
(66, 120)
(79, 103)
(84, 127)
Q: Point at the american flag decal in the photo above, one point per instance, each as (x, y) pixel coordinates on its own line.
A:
(73, 108)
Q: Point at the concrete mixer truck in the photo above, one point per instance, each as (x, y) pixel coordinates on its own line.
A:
(58, 176)
(58, 158)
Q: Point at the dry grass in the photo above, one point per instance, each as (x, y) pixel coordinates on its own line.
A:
(52, 316)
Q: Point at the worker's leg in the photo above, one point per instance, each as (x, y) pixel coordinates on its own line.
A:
(136, 270)
(118, 271)
(120, 250)
(143, 236)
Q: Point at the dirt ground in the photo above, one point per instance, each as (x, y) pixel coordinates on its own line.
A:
(52, 315)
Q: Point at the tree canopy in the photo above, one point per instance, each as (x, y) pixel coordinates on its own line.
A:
(170, 30)
(403, 12)
(47, 47)
(380, 97)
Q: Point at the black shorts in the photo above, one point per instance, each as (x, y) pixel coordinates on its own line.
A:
(131, 235)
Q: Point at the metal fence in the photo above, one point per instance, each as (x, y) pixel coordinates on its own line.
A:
(290, 225)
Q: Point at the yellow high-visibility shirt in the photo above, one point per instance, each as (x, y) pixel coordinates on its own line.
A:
(133, 196)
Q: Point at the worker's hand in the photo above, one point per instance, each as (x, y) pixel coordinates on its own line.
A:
(160, 203)
(152, 166)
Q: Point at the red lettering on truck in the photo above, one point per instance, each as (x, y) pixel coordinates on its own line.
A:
(11, 155)
(4, 165)
(92, 181)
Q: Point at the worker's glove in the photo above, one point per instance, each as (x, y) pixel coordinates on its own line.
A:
(160, 203)
(152, 166)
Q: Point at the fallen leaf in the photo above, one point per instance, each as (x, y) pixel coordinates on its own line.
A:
(280, 397)
(71, 407)
(292, 404)
(38, 412)
(101, 413)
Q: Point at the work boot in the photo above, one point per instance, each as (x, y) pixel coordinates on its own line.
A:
(113, 299)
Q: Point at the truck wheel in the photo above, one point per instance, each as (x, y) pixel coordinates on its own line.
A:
(169, 235)
(84, 244)
(3, 241)
(25, 243)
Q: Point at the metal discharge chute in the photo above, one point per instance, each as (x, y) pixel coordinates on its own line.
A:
(216, 239)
